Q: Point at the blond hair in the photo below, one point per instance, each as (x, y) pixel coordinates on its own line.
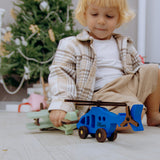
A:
(125, 13)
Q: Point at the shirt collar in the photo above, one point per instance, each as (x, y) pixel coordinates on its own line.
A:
(84, 36)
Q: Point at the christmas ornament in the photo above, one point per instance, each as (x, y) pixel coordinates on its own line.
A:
(2, 49)
(17, 41)
(24, 42)
(13, 14)
(3, 30)
(68, 28)
(1, 14)
(8, 29)
(51, 35)
(7, 37)
(44, 6)
(34, 28)
(27, 73)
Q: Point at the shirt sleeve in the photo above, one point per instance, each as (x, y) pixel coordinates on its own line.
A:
(130, 58)
(135, 57)
(62, 77)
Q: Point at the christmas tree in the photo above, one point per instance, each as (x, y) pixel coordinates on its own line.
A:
(29, 44)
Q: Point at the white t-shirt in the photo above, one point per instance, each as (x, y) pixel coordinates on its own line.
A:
(109, 66)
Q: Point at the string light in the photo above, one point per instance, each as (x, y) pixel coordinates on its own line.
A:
(49, 14)
(19, 87)
(26, 75)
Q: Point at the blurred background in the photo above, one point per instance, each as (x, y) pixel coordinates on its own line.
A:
(143, 30)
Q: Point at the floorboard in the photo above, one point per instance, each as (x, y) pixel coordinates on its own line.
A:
(19, 143)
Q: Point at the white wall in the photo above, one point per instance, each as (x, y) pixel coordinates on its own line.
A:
(129, 29)
(153, 31)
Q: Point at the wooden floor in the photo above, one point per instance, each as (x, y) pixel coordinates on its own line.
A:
(18, 143)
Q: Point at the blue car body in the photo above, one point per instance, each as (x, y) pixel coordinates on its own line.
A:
(99, 117)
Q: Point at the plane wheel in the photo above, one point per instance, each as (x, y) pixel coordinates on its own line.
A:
(101, 135)
(83, 132)
(113, 136)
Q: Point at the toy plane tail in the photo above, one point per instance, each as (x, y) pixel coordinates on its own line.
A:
(136, 112)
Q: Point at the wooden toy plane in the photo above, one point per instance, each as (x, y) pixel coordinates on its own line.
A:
(71, 121)
(42, 121)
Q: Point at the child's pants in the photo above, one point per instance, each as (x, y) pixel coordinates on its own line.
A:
(131, 88)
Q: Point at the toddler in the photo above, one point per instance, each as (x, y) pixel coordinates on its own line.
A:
(98, 64)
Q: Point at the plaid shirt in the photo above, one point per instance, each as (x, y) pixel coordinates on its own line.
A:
(73, 71)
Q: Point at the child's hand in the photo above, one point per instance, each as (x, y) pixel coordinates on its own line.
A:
(56, 116)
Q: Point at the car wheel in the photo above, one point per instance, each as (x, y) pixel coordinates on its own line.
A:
(101, 135)
(83, 132)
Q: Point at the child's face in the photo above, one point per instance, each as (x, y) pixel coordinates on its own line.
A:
(101, 21)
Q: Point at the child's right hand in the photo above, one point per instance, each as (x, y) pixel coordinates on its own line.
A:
(56, 116)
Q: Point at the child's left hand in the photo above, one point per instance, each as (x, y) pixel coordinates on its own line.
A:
(56, 117)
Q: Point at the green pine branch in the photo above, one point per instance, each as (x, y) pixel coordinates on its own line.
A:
(38, 45)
